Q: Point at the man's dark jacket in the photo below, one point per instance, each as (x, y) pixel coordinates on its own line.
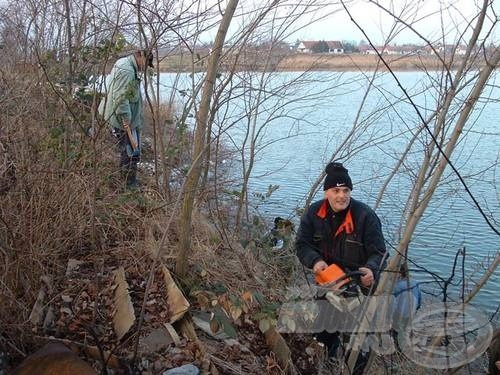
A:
(363, 247)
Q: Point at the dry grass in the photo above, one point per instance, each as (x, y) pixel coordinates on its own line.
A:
(63, 202)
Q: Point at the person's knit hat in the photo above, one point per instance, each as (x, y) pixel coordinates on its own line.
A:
(149, 58)
(336, 176)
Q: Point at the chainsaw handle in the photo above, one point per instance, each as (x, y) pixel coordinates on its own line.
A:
(349, 275)
(342, 278)
(354, 274)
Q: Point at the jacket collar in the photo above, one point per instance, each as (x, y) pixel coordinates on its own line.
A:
(348, 223)
(323, 210)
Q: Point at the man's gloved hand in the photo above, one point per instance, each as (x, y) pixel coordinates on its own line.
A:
(320, 265)
(367, 278)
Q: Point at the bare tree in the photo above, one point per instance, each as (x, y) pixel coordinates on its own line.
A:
(199, 141)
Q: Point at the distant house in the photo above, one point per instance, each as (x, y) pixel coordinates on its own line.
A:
(451, 49)
(406, 49)
(335, 46)
(415, 49)
(366, 49)
(461, 50)
(383, 50)
(393, 50)
(308, 46)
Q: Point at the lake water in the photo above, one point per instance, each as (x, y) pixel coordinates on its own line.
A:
(302, 123)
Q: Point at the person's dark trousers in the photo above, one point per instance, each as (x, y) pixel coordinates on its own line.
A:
(361, 363)
(128, 163)
(332, 342)
(329, 319)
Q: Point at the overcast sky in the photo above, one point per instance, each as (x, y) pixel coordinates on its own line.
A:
(377, 24)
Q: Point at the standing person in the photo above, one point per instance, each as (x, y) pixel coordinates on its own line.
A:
(123, 110)
(341, 230)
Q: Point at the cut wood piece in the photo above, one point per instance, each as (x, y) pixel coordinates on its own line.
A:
(278, 345)
(124, 317)
(186, 328)
(177, 303)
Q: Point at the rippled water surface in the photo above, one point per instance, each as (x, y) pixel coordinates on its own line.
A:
(306, 122)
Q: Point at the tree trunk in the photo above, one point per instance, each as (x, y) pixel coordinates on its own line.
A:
(199, 142)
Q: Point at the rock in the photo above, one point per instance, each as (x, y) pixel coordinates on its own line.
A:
(72, 266)
(183, 370)
(54, 358)
(232, 342)
(157, 340)
(49, 319)
(202, 321)
(66, 299)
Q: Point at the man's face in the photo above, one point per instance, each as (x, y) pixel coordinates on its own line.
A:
(141, 62)
(338, 197)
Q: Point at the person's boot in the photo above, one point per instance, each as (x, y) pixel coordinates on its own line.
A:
(131, 182)
(132, 185)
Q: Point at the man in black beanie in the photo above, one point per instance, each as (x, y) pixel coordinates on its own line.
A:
(343, 231)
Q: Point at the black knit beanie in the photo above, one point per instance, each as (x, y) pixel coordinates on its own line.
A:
(336, 176)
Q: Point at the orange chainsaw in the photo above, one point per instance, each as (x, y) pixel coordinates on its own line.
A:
(334, 276)
(336, 280)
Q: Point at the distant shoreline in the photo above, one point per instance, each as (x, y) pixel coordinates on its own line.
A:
(325, 62)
